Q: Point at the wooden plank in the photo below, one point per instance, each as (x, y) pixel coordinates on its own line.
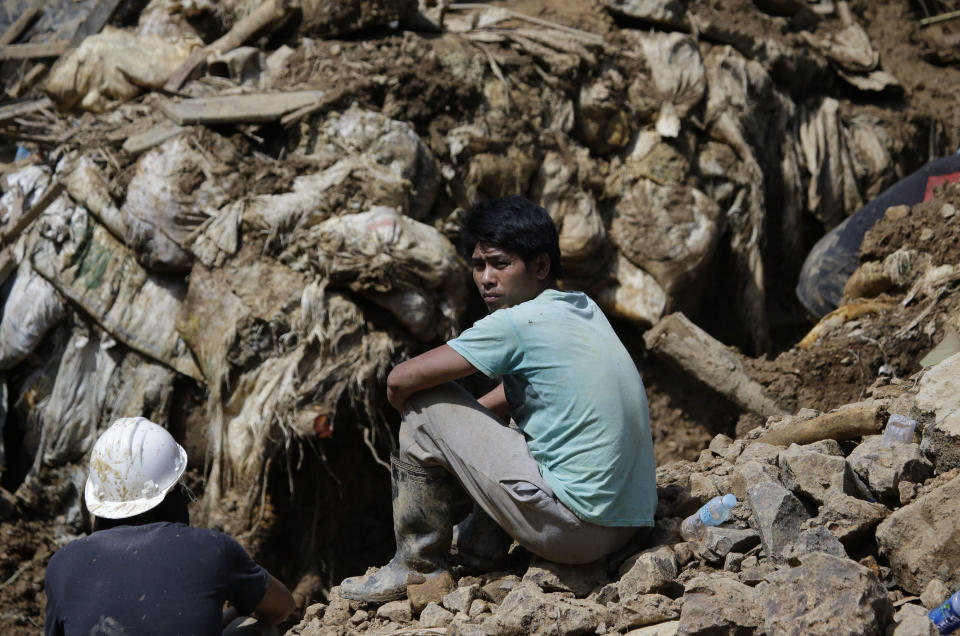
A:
(135, 144)
(845, 423)
(23, 108)
(20, 25)
(95, 21)
(31, 51)
(53, 191)
(253, 108)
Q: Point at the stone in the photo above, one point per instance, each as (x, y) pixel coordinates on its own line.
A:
(338, 611)
(719, 444)
(661, 629)
(754, 573)
(646, 610)
(495, 591)
(431, 591)
(529, 610)
(919, 539)
(934, 593)
(849, 519)
(716, 604)
(360, 616)
(884, 467)
(435, 616)
(557, 577)
(826, 595)
(912, 620)
(817, 539)
(396, 611)
(938, 394)
(813, 474)
(609, 593)
(463, 628)
(719, 541)
(478, 607)
(732, 562)
(734, 450)
(778, 515)
(460, 599)
(752, 472)
(652, 571)
(760, 452)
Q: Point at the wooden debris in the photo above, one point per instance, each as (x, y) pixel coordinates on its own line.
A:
(847, 423)
(53, 191)
(586, 36)
(95, 20)
(20, 25)
(267, 14)
(17, 110)
(226, 109)
(943, 17)
(29, 78)
(677, 339)
(841, 315)
(160, 133)
(31, 51)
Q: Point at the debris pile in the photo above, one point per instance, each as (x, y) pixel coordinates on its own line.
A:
(234, 217)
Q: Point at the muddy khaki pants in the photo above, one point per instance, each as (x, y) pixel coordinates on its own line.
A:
(446, 426)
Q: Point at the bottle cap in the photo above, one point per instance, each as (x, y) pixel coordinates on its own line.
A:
(729, 501)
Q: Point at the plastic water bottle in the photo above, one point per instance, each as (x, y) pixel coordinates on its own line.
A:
(899, 430)
(712, 513)
(946, 616)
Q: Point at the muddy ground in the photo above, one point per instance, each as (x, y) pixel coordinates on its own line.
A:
(401, 77)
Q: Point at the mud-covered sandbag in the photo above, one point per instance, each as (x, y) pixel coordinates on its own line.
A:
(115, 66)
(405, 266)
(174, 190)
(672, 13)
(678, 75)
(392, 144)
(603, 122)
(87, 185)
(31, 308)
(101, 276)
(631, 294)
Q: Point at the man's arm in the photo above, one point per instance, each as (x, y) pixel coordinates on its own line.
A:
(430, 369)
(496, 401)
(277, 603)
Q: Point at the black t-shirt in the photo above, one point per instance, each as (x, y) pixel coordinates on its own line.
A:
(159, 578)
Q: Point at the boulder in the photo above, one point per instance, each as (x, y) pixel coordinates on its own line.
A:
(848, 518)
(826, 595)
(557, 577)
(653, 571)
(396, 611)
(938, 394)
(885, 467)
(435, 616)
(716, 604)
(815, 475)
(646, 610)
(816, 539)
(528, 610)
(778, 515)
(720, 541)
(498, 589)
(920, 539)
(431, 591)
(461, 598)
(912, 620)
(750, 473)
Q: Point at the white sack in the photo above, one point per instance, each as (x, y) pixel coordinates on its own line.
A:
(32, 307)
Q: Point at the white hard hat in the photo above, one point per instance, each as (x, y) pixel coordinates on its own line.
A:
(133, 466)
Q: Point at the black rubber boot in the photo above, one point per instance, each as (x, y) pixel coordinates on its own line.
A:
(480, 543)
(423, 500)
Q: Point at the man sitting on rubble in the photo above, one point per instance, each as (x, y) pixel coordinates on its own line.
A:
(576, 477)
(144, 570)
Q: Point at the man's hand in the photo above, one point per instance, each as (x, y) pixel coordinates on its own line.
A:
(427, 370)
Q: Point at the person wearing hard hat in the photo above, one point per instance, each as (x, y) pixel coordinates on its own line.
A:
(144, 570)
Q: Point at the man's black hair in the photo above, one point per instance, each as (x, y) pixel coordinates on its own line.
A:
(173, 508)
(513, 224)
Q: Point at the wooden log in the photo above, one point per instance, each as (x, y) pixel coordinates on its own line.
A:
(53, 191)
(676, 339)
(31, 51)
(95, 20)
(23, 108)
(21, 24)
(160, 133)
(267, 14)
(847, 423)
(228, 109)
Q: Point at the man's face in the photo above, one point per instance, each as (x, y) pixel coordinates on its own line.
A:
(504, 280)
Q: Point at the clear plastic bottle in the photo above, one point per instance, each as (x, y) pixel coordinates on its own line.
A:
(712, 513)
(899, 430)
(946, 616)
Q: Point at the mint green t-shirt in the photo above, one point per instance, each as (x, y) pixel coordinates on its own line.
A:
(577, 397)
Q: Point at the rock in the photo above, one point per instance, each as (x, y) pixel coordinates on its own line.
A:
(460, 599)
(360, 616)
(556, 577)
(912, 620)
(653, 571)
(826, 595)
(719, 541)
(716, 604)
(813, 474)
(817, 539)
(528, 610)
(496, 590)
(752, 472)
(646, 610)
(432, 591)
(778, 515)
(849, 519)
(934, 593)
(435, 616)
(732, 562)
(938, 394)
(719, 444)
(479, 606)
(661, 629)
(760, 452)
(755, 572)
(8, 504)
(335, 19)
(884, 467)
(919, 539)
(396, 611)
(338, 611)
(461, 628)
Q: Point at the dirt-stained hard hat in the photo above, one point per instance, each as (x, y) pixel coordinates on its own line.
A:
(133, 466)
